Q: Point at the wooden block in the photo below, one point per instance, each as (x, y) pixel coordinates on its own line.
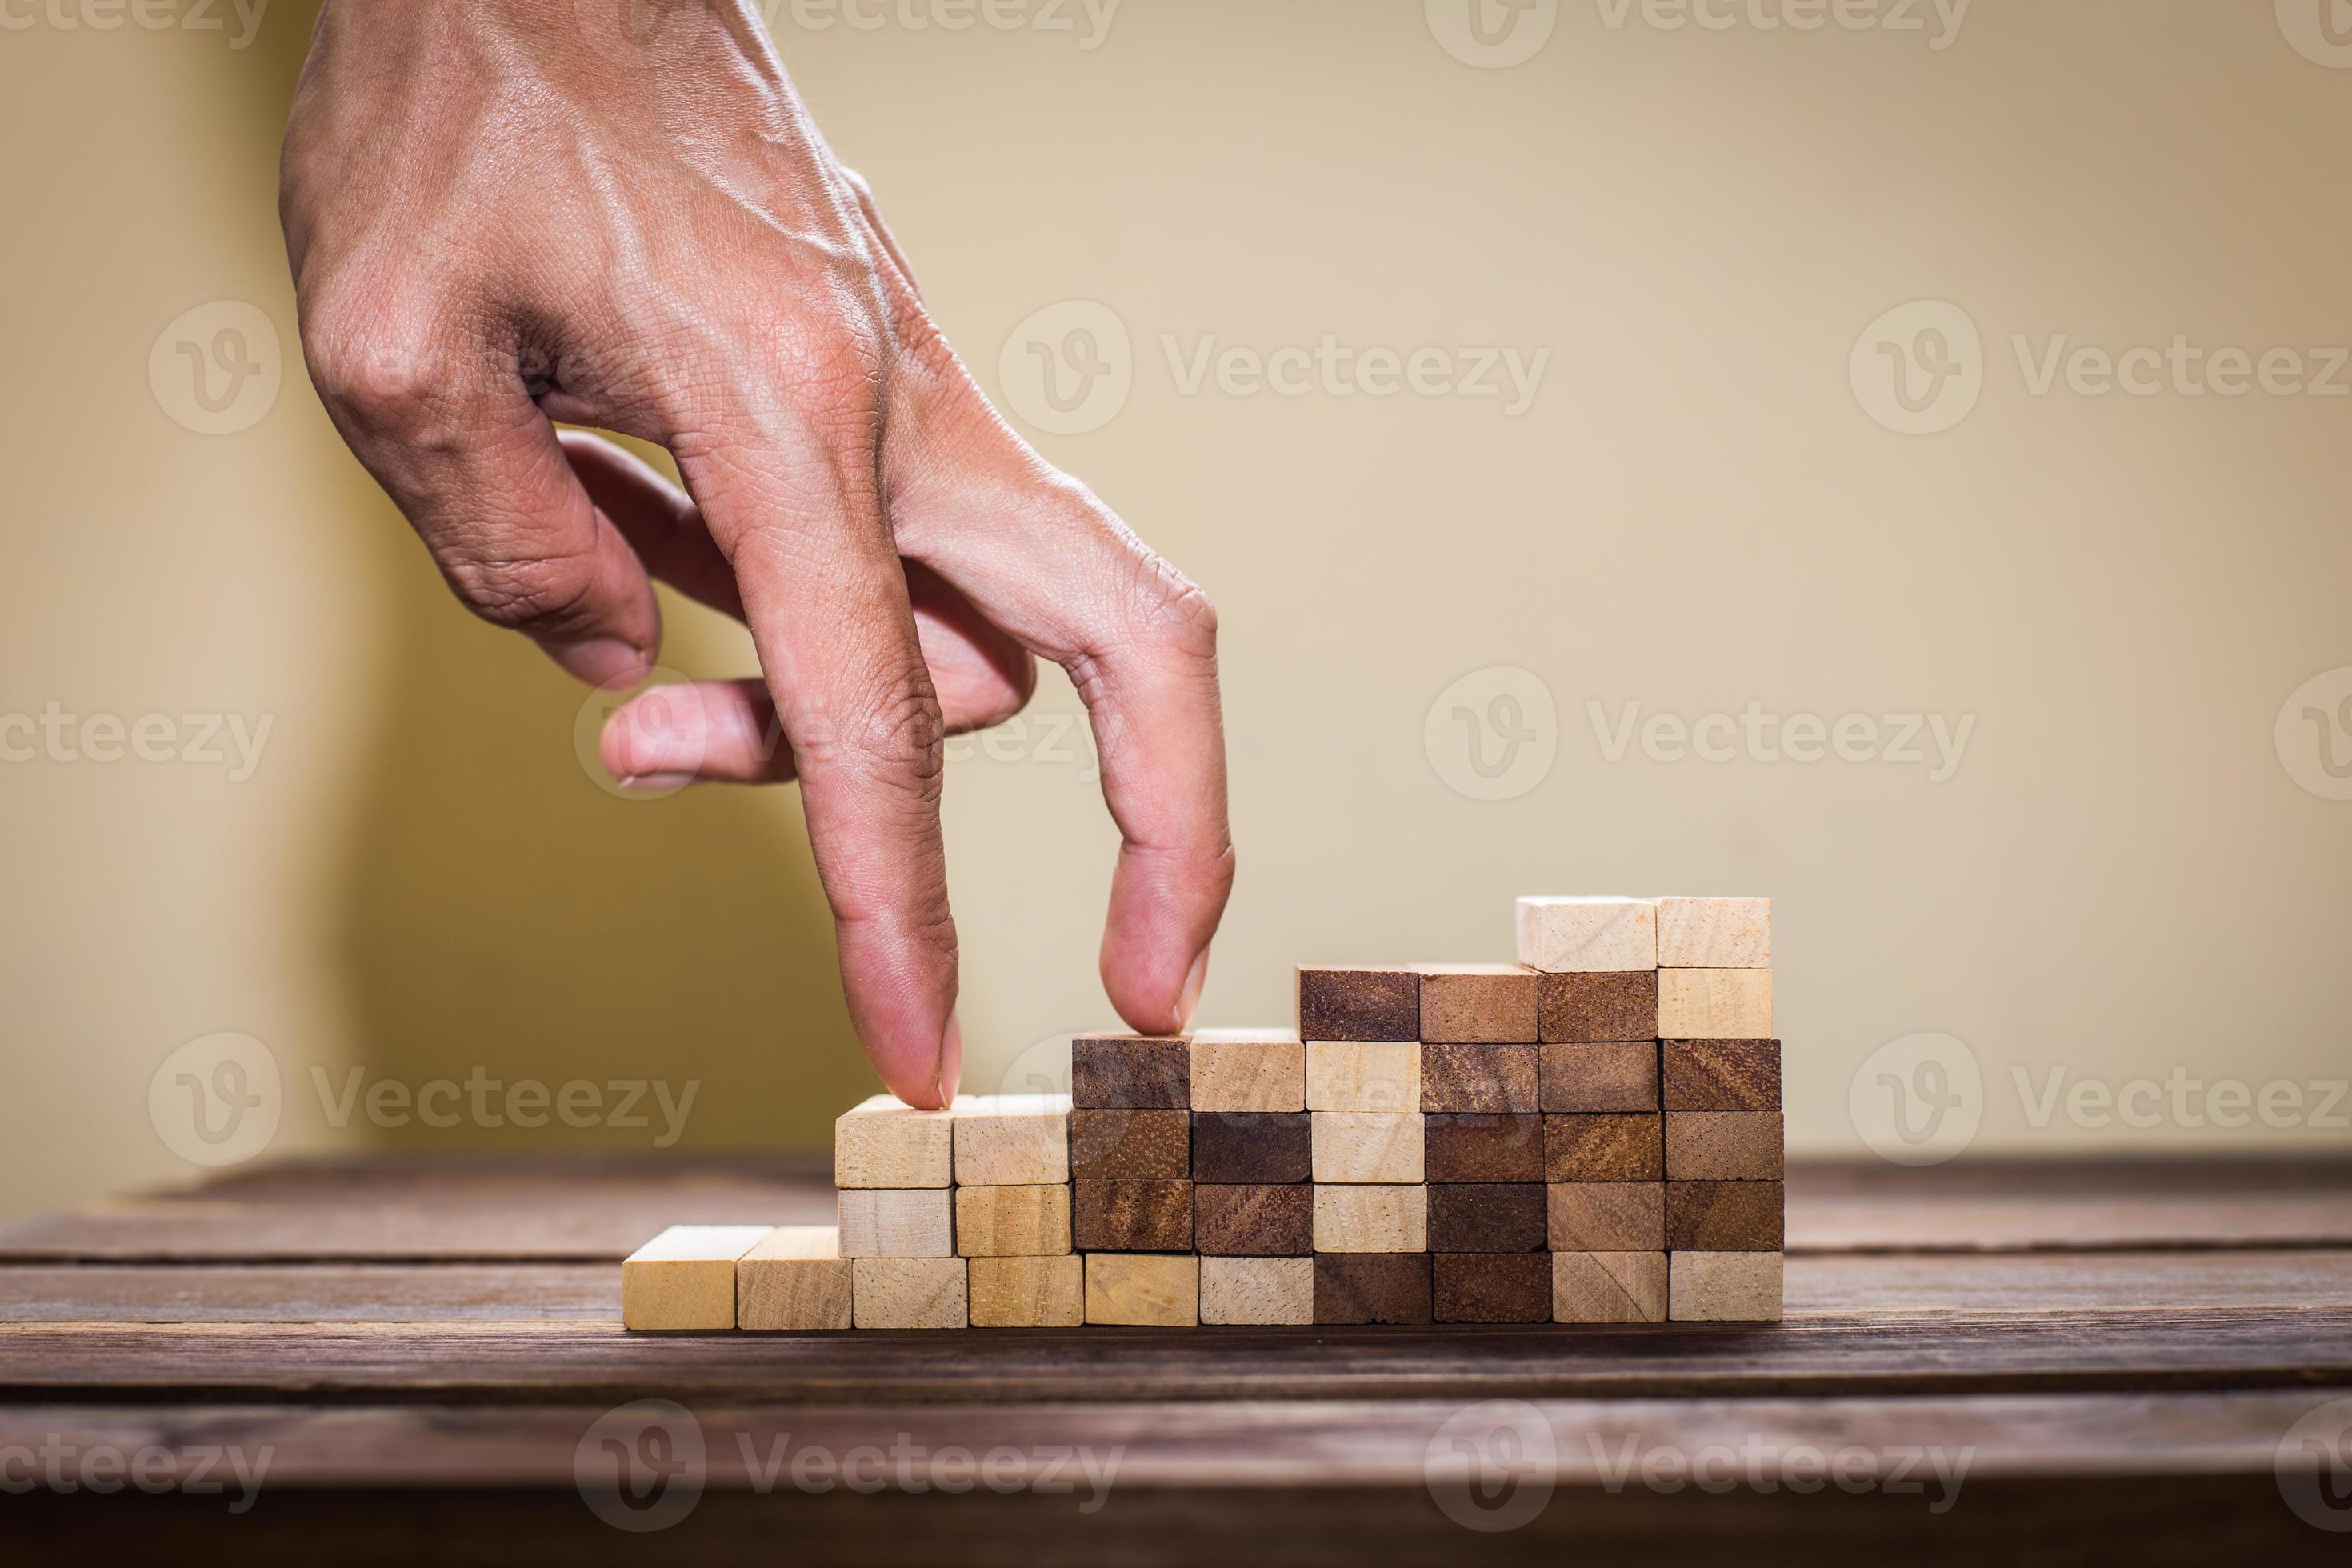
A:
(1012, 1222)
(1359, 1005)
(1368, 1146)
(1586, 934)
(1027, 1293)
(1371, 1287)
(1580, 1148)
(1608, 1287)
(1257, 1289)
(1724, 1216)
(917, 1223)
(1133, 1216)
(1613, 1077)
(1724, 1146)
(1252, 1149)
(1725, 1288)
(796, 1278)
(1594, 1009)
(1012, 1140)
(1130, 1072)
(1715, 934)
(1358, 1218)
(1363, 1076)
(883, 1143)
(1131, 1145)
(1143, 1291)
(1477, 1004)
(1248, 1070)
(1479, 1077)
(1477, 1148)
(1722, 1075)
(684, 1278)
(1491, 1287)
(910, 1293)
(1486, 1216)
(1715, 1004)
(1605, 1216)
(1255, 1221)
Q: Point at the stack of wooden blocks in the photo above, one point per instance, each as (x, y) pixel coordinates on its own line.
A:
(1590, 1135)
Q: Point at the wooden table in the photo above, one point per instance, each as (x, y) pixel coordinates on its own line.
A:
(425, 1351)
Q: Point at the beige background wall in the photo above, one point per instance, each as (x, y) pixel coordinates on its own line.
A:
(2121, 878)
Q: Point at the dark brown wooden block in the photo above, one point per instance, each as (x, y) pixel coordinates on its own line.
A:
(1482, 1148)
(1371, 1287)
(1359, 1005)
(1487, 1004)
(1492, 1287)
(1722, 1075)
(1478, 1077)
(1131, 1145)
(1725, 1146)
(1251, 1147)
(1614, 1076)
(1620, 1004)
(1130, 1072)
(1254, 1221)
(1579, 1147)
(1606, 1217)
(1486, 1216)
(1132, 1216)
(1724, 1216)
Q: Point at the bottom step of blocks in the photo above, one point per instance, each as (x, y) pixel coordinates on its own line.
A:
(1028, 1292)
(1371, 1287)
(1257, 1289)
(1609, 1287)
(1143, 1289)
(1726, 1287)
(796, 1278)
(910, 1293)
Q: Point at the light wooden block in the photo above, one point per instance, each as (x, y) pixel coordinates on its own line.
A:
(879, 1223)
(796, 1278)
(1372, 1218)
(1715, 1004)
(1588, 935)
(1608, 1287)
(1027, 1293)
(1143, 1289)
(910, 1293)
(1257, 1290)
(1724, 1146)
(882, 1143)
(1012, 1222)
(1715, 934)
(1725, 1288)
(1248, 1070)
(1368, 1146)
(1363, 1075)
(684, 1278)
(1012, 1140)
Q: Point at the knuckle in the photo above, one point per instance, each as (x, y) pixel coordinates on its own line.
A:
(1170, 613)
(387, 366)
(541, 594)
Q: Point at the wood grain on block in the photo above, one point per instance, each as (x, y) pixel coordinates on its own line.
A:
(1722, 1075)
(684, 1278)
(1609, 1287)
(1012, 1222)
(916, 1221)
(1491, 1287)
(1617, 1075)
(1362, 1218)
(910, 1293)
(1479, 1077)
(1242, 1148)
(1027, 1293)
(883, 1143)
(1257, 1290)
(1012, 1140)
(1133, 1216)
(1130, 1072)
(1481, 1148)
(1486, 1216)
(1371, 1287)
(1359, 1005)
(1725, 1216)
(1724, 1146)
(1143, 1291)
(1477, 1004)
(1248, 1070)
(1604, 1148)
(1715, 934)
(1593, 1009)
(1587, 934)
(1131, 1145)
(1715, 1004)
(1368, 1146)
(1355, 1075)
(1725, 1288)
(1606, 1217)
(796, 1278)
(1254, 1221)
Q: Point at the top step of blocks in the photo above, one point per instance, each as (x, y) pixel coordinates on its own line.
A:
(1599, 935)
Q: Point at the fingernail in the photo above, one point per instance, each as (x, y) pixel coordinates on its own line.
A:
(603, 661)
(655, 783)
(1190, 998)
(951, 1077)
